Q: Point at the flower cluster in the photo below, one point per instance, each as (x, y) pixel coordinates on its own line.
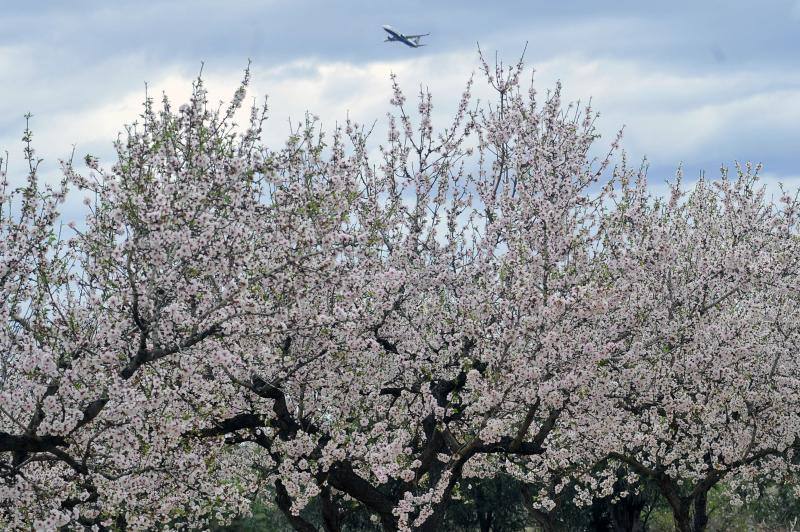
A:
(486, 300)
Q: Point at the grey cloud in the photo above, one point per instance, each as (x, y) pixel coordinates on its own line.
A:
(62, 60)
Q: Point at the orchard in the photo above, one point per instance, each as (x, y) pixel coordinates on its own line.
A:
(342, 324)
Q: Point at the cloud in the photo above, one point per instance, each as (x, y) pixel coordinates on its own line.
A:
(672, 115)
(81, 70)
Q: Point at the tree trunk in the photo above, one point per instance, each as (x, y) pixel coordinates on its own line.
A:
(701, 512)
(688, 512)
(331, 517)
(626, 514)
(485, 513)
(692, 514)
(546, 521)
(683, 522)
(342, 477)
(284, 503)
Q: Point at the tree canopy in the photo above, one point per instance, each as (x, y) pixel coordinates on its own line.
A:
(346, 323)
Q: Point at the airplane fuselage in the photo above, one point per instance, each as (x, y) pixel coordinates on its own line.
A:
(408, 40)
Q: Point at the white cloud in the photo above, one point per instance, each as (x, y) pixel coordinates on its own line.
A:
(671, 116)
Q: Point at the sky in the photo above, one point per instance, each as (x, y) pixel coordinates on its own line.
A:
(694, 83)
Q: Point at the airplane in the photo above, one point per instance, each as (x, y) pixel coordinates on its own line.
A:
(408, 40)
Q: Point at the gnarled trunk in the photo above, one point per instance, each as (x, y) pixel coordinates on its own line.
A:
(691, 514)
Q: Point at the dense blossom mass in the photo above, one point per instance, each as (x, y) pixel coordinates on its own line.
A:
(322, 322)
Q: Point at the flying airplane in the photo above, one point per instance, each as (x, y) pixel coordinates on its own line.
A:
(408, 40)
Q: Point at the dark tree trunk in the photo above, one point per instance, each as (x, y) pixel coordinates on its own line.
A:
(683, 522)
(600, 515)
(284, 503)
(546, 521)
(343, 478)
(331, 517)
(691, 515)
(484, 512)
(626, 514)
(701, 512)
(689, 512)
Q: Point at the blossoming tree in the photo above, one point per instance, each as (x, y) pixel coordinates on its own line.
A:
(103, 331)
(485, 299)
(704, 387)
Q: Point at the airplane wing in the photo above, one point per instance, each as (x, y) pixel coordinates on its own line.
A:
(416, 36)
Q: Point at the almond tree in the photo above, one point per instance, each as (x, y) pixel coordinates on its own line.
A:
(186, 245)
(479, 300)
(704, 386)
(449, 340)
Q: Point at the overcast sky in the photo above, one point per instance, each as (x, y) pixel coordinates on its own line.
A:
(698, 83)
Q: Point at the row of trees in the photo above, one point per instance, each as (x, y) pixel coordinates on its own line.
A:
(484, 301)
(497, 505)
